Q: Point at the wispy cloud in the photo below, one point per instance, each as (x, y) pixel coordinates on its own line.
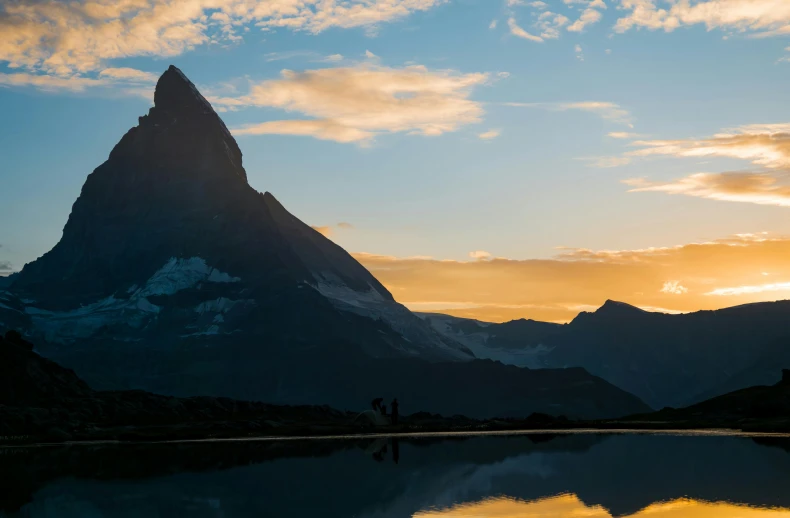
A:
(674, 287)
(606, 110)
(490, 134)
(116, 82)
(760, 18)
(481, 255)
(766, 146)
(589, 16)
(624, 135)
(606, 162)
(129, 74)
(354, 104)
(750, 290)
(74, 40)
(517, 30)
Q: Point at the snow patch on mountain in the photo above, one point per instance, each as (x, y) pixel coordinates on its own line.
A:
(372, 304)
(136, 311)
(180, 274)
(478, 342)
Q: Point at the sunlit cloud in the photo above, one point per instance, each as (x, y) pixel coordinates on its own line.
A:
(589, 16)
(549, 24)
(108, 83)
(674, 287)
(517, 30)
(606, 110)
(64, 38)
(624, 135)
(673, 279)
(355, 104)
(759, 18)
(762, 189)
(480, 255)
(605, 162)
(329, 230)
(489, 135)
(129, 74)
(324, 231)
(766, 146)
(579, 52)
(748, 290)
(320, 129)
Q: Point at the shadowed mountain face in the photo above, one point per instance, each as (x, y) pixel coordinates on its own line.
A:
(174, 275)
(755, 404)
(667, 360)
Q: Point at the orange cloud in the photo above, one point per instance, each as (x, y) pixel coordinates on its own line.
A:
(325, 231)
(329, 230)
(354, 104)
(766, 146)
(760, 17)
(64, 38)
(683, 278)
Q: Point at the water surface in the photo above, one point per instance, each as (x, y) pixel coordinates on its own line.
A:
(540, 475)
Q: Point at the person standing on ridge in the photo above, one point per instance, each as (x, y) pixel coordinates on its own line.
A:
(394, 414)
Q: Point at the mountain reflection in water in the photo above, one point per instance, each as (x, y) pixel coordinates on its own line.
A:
(484, 477)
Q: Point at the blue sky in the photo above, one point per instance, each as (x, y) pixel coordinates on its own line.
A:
(494, 142)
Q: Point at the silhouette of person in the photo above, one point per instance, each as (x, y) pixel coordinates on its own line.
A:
(376, 403)
(394, 406)
(395, 451)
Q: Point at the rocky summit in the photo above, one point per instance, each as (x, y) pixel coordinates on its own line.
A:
(174, 275)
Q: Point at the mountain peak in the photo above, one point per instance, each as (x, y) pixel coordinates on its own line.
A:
(613, 307)
(175, 92)
(181, 131)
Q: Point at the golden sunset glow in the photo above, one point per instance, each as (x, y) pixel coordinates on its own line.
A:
(570, 506)
(711, 275)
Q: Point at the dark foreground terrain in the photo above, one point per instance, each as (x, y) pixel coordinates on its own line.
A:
(40, 401)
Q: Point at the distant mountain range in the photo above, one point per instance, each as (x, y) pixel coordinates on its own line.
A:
(666, 360)
(175, 276)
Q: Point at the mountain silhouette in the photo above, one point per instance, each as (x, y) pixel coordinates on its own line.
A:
(174, 275)
(667, 360)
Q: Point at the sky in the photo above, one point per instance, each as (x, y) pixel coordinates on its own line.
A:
(493, 159)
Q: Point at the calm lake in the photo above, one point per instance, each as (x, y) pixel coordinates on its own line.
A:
(540, 475)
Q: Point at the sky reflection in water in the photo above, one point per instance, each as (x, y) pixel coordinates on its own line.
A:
(569, 506)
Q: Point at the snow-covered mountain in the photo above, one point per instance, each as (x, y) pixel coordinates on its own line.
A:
(174, 275)
(169, 221)
(519, 342)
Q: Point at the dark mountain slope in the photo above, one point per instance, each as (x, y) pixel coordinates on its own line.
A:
(667, 360)
(174, 275)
